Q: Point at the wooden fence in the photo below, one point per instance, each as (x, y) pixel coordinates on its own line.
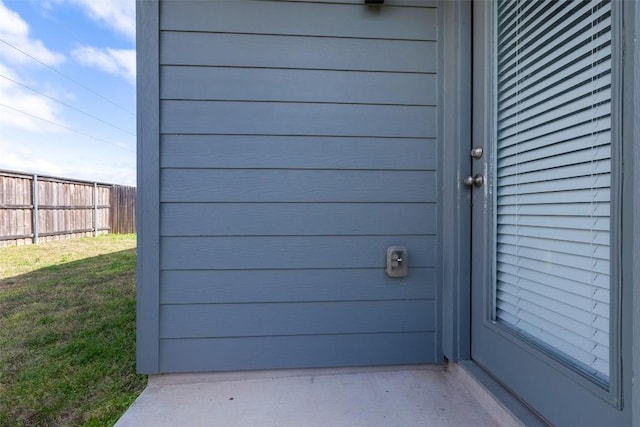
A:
(122, 213)
(36, 208)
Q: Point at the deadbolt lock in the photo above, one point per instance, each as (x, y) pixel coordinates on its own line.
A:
(476, 152)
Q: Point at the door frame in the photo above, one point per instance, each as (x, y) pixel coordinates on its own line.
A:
(454, 130)
(631, 193)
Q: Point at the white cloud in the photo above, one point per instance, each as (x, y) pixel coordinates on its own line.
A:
(119, 15)
(120, 62)
(20, 159)
(28, 102)
(46, 159)
(15, 31)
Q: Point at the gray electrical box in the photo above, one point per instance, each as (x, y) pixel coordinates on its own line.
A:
(397, 261)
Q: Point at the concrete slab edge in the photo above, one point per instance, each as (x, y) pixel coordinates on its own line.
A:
(205, 377)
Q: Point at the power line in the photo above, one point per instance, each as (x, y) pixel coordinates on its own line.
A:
(68, 106)
(55, 70)
(66, 127)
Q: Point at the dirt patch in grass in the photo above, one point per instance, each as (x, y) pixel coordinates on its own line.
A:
(67, 332)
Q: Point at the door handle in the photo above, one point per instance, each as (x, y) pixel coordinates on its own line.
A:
(475, 181)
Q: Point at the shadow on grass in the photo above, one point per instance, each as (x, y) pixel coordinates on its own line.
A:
(67, 340)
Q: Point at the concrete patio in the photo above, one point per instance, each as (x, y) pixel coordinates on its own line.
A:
(380, 396)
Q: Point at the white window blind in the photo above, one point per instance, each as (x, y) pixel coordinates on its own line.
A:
(554, 176)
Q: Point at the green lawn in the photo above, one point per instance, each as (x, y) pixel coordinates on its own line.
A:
(67, 332)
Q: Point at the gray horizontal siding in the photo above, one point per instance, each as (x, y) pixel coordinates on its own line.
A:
(244, 252)
(290, 118)
(304, 318)
(405, 3)
(298, 152)
(247, 185)
(259, 84)
(319, 19)
(256, 286)
(196, 354)
(290, 219)
(298, 142)
(318, 53)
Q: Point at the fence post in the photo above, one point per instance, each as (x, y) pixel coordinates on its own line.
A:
(95, 209)
(34, 211)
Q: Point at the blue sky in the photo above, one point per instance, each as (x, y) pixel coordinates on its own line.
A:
(67, 88)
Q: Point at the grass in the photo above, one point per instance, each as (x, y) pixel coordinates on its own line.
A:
(67, 332)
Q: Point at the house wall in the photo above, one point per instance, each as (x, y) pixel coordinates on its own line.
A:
(295, 142)
(263, 224)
